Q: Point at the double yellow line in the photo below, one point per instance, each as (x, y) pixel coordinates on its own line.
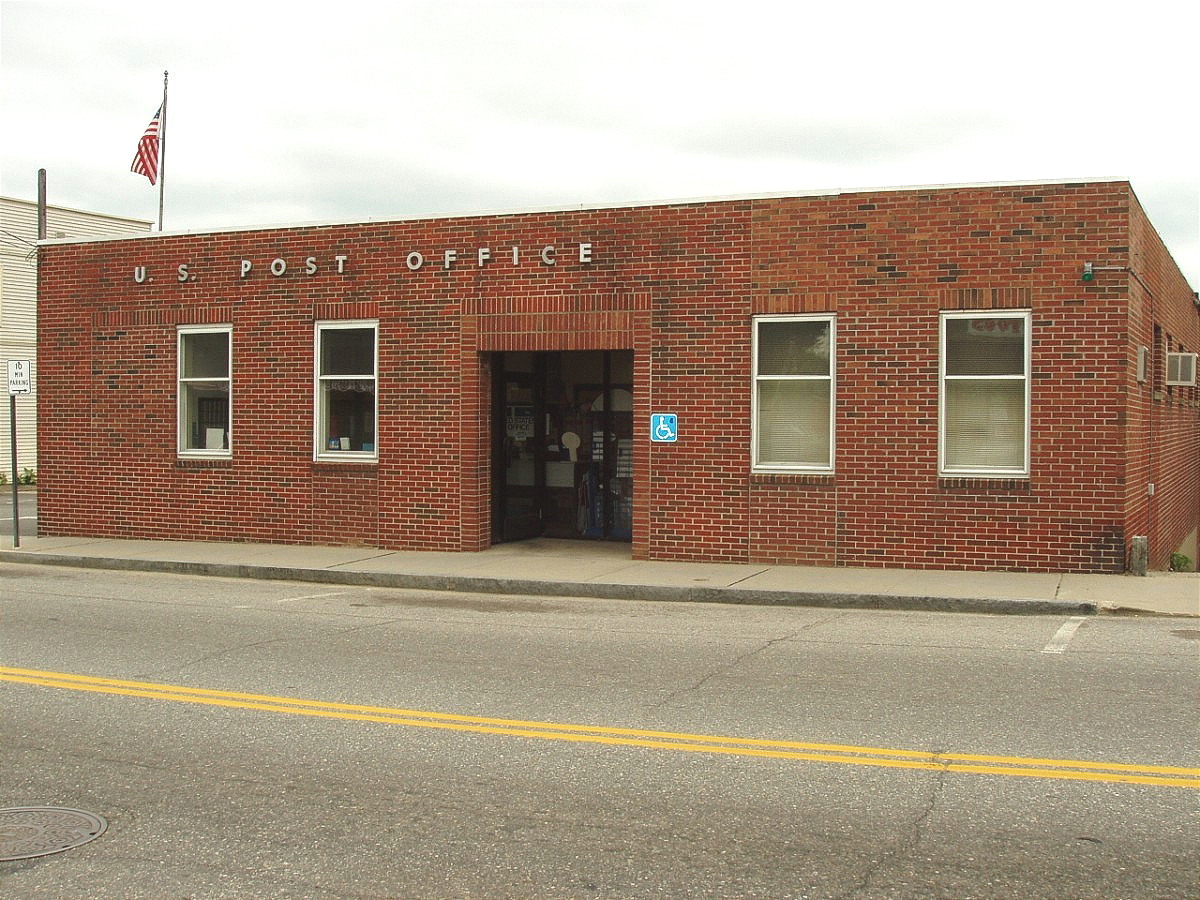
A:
(974, 764)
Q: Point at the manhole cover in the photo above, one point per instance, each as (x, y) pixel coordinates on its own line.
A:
(28, 831)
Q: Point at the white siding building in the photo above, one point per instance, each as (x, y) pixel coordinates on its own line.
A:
(18, 300)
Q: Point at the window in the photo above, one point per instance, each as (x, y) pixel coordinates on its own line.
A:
(346, 411)
(204, 390)
(985, 394)
(792, 415)
(1181, 369)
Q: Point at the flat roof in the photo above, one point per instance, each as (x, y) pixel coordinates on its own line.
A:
(583, 207)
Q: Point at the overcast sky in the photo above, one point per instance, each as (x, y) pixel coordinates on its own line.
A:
(296, 112)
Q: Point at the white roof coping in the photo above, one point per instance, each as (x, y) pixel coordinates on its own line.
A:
(583, 207)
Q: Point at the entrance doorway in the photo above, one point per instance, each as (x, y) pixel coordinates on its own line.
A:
(562, 445)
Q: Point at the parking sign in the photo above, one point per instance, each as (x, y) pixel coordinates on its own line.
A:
(20, 380)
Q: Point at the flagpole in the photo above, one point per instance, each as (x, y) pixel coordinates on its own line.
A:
(162, 153)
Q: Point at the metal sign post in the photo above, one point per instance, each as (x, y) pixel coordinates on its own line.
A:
(20, 381)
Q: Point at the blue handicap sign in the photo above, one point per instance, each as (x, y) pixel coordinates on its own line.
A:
(664, 428)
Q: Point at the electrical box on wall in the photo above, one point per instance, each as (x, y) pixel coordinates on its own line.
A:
(1143, 364)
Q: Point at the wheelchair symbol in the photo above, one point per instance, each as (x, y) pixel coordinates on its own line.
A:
(664, 428)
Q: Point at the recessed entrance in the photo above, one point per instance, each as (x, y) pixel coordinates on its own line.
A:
(562, 445)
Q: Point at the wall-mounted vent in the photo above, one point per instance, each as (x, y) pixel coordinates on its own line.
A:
(1143, 364)
(1181, 369)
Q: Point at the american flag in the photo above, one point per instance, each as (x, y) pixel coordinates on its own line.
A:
(146, 161)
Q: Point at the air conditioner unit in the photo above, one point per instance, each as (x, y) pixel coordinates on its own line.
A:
(1181, 369)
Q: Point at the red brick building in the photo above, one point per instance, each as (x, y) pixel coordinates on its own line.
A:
(918, 377)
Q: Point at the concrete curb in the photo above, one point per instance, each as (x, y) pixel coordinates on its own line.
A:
(1116, 609)
(593, 590)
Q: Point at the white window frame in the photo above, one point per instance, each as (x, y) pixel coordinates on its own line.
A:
(321, 452)
(181, 417)
(1181, 369)
(807, 468)
(1026, 317)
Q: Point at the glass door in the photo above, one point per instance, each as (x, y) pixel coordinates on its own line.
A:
(562, 446)
(518, 470)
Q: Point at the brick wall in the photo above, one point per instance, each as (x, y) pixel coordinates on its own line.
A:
(1163, 435)
(678, 285)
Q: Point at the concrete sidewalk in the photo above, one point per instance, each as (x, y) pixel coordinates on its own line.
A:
(605, 570)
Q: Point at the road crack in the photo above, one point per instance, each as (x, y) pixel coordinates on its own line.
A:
(741, 658)
(183, 666)
(912, 834)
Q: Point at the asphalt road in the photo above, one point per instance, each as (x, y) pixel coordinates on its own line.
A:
(295, 740)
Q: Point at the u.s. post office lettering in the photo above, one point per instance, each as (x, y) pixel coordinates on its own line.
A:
(546, 256)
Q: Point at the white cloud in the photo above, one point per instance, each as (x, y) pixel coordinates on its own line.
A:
(301, 112)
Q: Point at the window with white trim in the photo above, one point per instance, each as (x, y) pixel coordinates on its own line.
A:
(984, 394)
(346, 412)
(793, 401)
(1181, 369)
(205, 361)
